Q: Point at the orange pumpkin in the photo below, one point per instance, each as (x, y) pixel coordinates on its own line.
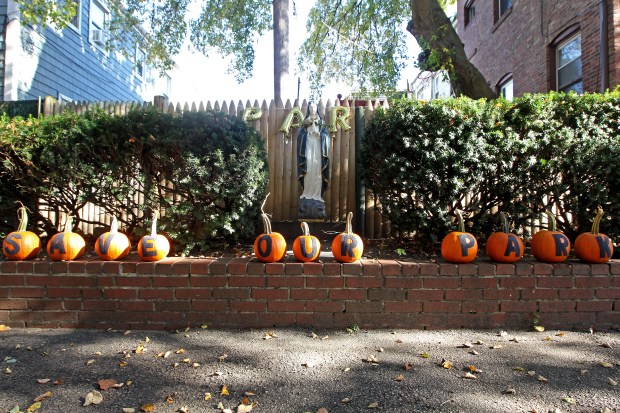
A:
(504, 246)
(550, 245)
(66, 245)
(269, 246)
(347, 246)
(153, 247)
(112, 245)
(459, 246)
(594, 247)
(21, 244)
(306, 247)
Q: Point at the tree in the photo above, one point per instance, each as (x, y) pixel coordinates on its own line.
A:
(360, 42)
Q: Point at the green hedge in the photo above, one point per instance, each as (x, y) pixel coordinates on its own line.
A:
(208, 170)
(426, 159)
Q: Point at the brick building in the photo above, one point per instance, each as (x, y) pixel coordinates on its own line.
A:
(535, 46)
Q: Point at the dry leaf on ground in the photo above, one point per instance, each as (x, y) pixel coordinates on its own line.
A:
(446, 364)
(606, 365)
(408, 366)
(208, 396)
(540, 329)
(43, 396)
(400, 377)
(94, 397)
(148, 408)
(470, 376)
(107, 383)
(373, 405)
(224, 391)
(128, 410)
(43, 381)
(611, 381)
(4, 328)
(33, 407)
(346, 400)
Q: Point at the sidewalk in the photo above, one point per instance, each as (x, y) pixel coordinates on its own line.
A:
(292, 370)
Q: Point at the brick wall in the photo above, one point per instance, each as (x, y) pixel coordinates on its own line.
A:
(241, 293)
(521, 41)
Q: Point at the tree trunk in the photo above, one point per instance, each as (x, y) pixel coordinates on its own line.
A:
(280, 48)
(432, 28)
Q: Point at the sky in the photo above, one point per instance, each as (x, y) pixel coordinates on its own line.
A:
(201, 79)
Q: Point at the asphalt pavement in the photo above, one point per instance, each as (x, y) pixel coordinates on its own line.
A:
(298, 371)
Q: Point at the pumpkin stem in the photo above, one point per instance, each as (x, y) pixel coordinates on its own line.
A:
(22, 215)
(114, 226)
(459, 217)
(305, 229)
(597, 220)
(154, 224)
(68, 224)
(266, 222)
(347, 229)
(552, 223)
(504, 219)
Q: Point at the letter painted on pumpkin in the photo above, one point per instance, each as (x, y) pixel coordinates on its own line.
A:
(11, 246)
(513, 246)
(148, 247)
(467, 242)
(604, 244)
(309, 248)
(561, 245)
(347, 245)
(58, 243)
(104, 243)
(265, 245)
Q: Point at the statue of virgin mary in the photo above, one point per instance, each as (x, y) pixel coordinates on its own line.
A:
(313, 144)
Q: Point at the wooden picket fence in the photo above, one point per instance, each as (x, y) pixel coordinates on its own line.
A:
(285, 190)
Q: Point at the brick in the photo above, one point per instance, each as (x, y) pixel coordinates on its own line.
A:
(175, 317)
(25, 267)
(46, 280)
(137, 306)
(325, 306)
(352, 268)
(320, 282)
(518, 306)
(78, 281)
(517, 282)
(17, 280)
(500, 294)
(400, 282)
(364, 307)
(133, 281)
(231, 293)
(463, 295)
(486, 269)
(543, 269)
(609, 293)
(425, 295)
(468, 269)
(390, 268)
(409, 268)
(105, 281)
(402, 306)
(592, 282)
(271, 293)
(561, 269)
(475, 282)
(210, 305)
(208, 281)
(8, 267)
(44, 304)
(192, 293)
(592, 306)
(13, 304)
(26, 292)
(286, 306)
(42, 267)
(362, 282)
(576, 294)
(129, 267)
(386, 294)
(93, 267)
(580, 269)
(99, 305)
(524, 268)
(111, 267)
(556, 306)
(172, 305)
(76, 267)
(555, 282)
(274, 268)
(256, 268)
(237, 266)
(429, 269)
(479, 307)
(246, 281)
(539, 294)
(90, 293)
(218, 267)
(441, 283)
(505, 269)
(295, 281)
(297, 268)
(201, 266)
(348, 294)
(323, 320)
(248, 306)
(148, 268)
(448, 269)
(312, 268)
(600, 269)
(71, 304)
(4, 292)
(614, 268)
(441, 307)
(332, 269)
(64, 292)
(120, 294)
(371, 269)
(304, 294)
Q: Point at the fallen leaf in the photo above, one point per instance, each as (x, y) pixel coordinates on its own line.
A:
(584, 372)
(373, 405)
(106, 384)
(474, 352)
(244, 408)
(346, 400)
(606, 345)
(400, 377)
(224, 391)
(183, 409)
(122, 364)
(502, 333)
(399, 341)
(496, 346)
(43, 396)
(222, 357)
(425, 355)
(128, 410)
(473, 369)
(269, 336)
(510, 390)
(346, 369)
(140, 349)
(8, 371)
(322, 410)
(380, 350)
(308, 364)
(207, 396)
(518, 369)
(514, 340)
(4, 328)
(479, 342)
(195, 365)
(372, 359)
(129, 382)
(466, 345)
(180, 351)
(33, 407)
(147, 339)
(325, 337)
(470, 376)
(540, 329)
(531, 373)
(167, 354)
(204, 326)
(548, 338)
(542, 379)
(148, 408)
(408, 366)
(561, 334)
(94, 397)
(91, 361)
(218, 374)
(170, 398)
(14, 409)
(569, 400)
(57, 382)
(187, 360)
(606, 365)
(249, 394)
(313, 335)
(446, 364)
(611, 381)
(43, 381)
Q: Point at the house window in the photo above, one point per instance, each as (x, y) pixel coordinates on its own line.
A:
(436, 84)
(504, 89)
(77, 19)
(140, 63)
(501, 7)
(99, 18)
(469, 13)
(568, 65)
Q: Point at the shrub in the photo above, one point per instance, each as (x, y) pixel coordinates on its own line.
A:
(185, 164)
(424, 160)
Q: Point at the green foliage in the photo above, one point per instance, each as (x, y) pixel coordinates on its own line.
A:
(426, 159)
(184, 164)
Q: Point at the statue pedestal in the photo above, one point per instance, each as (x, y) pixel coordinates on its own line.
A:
(311, 209)
(324, 231)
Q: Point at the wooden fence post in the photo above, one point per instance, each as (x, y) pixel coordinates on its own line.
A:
(159, 102)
